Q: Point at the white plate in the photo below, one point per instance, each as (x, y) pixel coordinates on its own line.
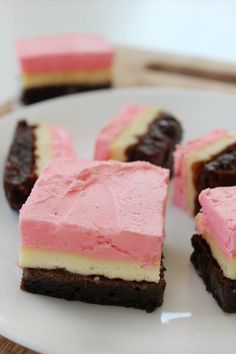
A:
(189, 320)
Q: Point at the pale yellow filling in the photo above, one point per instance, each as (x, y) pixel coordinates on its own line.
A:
(132, 271)
(203, 154)
(129, 136)
(228, 265)
(43, 150)
(94, 77)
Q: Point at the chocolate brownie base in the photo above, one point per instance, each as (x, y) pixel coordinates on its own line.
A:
(223, 289)
(19, 176)
(94, 289)
(37, 94)
(218, 171)
(158, 143)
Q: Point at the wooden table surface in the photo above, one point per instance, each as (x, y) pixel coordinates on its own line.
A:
(135, 67)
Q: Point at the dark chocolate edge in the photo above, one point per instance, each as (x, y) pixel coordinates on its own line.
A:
(131, 151)
(223, 289)
(198, 169)
(95, 289)
(17, 192)
(37, 94)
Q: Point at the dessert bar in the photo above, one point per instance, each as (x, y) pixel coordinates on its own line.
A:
(32, 147)
(90, 231)
(214, 255)
(140, 132)
(207, 162)
(56, 65)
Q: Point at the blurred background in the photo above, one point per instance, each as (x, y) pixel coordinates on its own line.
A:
(201, 28)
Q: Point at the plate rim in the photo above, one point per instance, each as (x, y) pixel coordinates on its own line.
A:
(117, 91)
(5, 328)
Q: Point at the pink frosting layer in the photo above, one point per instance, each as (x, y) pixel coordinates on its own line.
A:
(98, 209)
(218, 217)
(181, 154)
(64, 53)
(61, 142)
(123, 119)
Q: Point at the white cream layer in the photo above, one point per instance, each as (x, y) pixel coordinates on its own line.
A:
(228, 265)
(129, 136)
(130, 271)
(95, 77)
(203, 154)
(43, 146)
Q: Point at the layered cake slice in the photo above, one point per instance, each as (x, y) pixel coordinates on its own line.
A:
(207, 162)
(90, 231)
(140, 132)
(214, 255)
(56, 65)
(32, 147)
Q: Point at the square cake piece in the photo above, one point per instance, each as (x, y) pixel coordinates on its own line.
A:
(140, 132)
(214, 255)
(33, 146)
(93, 231)
(56, 65)
(207, 162)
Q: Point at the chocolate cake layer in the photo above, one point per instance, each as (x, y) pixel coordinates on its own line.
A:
(19, 175)
(223, 289)
(94, 289)
(219, 171)
(158, 143)
(37, 94)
